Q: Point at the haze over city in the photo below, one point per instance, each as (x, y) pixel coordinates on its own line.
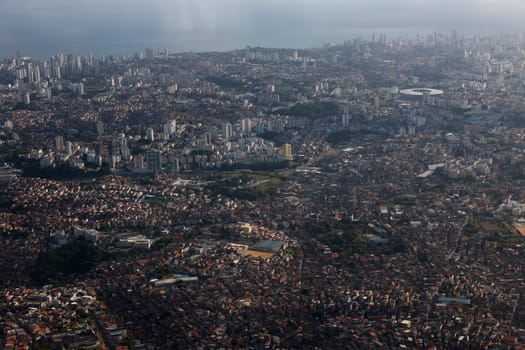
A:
(42, 28)
(249, 174)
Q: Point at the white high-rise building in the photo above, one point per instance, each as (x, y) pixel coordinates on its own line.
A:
(81, 89)
(246, 125)
(113, 161)
(36, 74)
(150, 134)
(345, 120)
(227, 132)
(169, 128)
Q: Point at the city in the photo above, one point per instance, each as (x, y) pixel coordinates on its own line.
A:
(368, 194)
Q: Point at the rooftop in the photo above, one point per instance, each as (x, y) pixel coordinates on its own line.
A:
(267, 246)
(421, 92)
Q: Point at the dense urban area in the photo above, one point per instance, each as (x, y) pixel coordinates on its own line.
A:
(363, 195)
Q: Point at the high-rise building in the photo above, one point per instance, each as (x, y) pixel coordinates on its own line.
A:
(69, 148)
(138, 162)
(207, 138)
(57, 72)
(122, 141)
(246, 125)
(100, 128)
(150, 54)
(113, 160)
(81, 89)
(259, 128)
(214, 132)
(125, 153)
(59, 144)
(36, 74)
(78, 63)
(169, 128)
(279, 126)
(286, 151)
(154, 160)
(172, 89)
(150, 134)
(346, 117)
(227, 132)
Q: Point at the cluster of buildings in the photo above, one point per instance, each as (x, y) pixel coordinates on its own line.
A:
(59, 318)
(389, 214)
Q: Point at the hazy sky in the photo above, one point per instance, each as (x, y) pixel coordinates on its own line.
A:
(43, 27)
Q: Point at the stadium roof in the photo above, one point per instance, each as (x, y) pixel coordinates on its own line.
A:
(421, 92)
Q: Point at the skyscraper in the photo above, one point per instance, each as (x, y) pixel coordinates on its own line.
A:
(227, 131)
(150, 135)
(150, 54)
(59, 144)
(138, 162)
(246, 125)
(286, 151)
(346, 117)
(154, 160)
(169, 128)
(207, 138)
(69, 148)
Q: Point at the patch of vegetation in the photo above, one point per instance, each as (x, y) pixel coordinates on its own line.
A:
(162, 243)
(42, 344)
(351, 238)
(8, 153)
(289, 251)
(59, 172)
(284, 164)
(405, 200)
(493, 230)
(154, 199)
(511, 240)
(428, 74)
(492, 225)
(245, 186)
(473, 226)
(459, 109)
(198, 152)
(312, 110)
(277, 138)
(129, 341)
(76, 257)
(344, 136)
(226, 82)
